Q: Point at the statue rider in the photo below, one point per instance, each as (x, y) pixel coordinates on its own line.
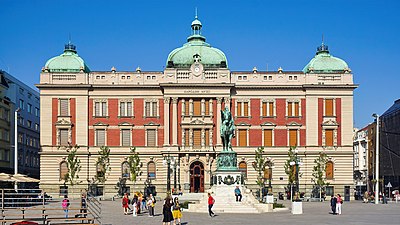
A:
(227, 129)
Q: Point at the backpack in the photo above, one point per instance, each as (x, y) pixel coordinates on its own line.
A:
(65, 203)
(154, 200)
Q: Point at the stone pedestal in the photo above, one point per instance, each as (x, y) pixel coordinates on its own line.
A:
(297, 207)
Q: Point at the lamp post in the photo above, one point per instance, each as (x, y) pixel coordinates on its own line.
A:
(296, 163)
(16, 145)
(168, 161)
(269, 164)
(376, 116)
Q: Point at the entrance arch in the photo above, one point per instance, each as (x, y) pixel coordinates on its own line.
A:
(196, 177)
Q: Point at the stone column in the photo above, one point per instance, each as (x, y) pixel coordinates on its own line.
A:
(174, 121)
(218, 114)
(166, 120)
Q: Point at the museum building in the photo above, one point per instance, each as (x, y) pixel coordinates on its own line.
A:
(175, 113)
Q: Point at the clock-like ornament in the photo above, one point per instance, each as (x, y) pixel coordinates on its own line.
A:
(197, 69)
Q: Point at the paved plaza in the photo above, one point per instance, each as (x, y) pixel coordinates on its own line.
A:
(314, 213)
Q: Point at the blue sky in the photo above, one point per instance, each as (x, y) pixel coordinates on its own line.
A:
(285, 33)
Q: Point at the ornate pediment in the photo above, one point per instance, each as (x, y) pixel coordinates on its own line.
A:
(197, 122)
(330, 122)
(293, 124)
(125, 124)
(152, 124)
(268, 124)
(243, 124)
(63, 122)
(100, 124)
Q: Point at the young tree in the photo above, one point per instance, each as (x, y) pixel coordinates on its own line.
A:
(103, 164)
(290, 170)
(134, 165)
(259, 166)
(74, 166)
(319, 172)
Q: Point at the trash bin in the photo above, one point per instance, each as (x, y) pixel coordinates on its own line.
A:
(25, 222)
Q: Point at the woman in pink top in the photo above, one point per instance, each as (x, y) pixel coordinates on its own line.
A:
(339, 204)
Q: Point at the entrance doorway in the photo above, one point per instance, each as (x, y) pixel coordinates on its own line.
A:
(196, 177)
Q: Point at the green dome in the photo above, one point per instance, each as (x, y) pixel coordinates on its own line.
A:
(69, 61)
(196, 47)
(323, 62)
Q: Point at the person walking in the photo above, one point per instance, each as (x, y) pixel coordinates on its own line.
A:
(143, 204)
(211, 202)
(150, 205)
(65, 205)
(167, 213)
(125, 204)
(238, 194)
(333, 204)
(176, 212)
(134, 205)
(339, 203)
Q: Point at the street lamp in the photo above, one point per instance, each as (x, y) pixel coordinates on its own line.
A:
(296, 162)
(270, 165)
(168, 161)
(376, 116)
(16, 145)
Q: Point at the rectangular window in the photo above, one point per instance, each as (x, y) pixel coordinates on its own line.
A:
(328, 107)
(63, 137)
(267, 137)
(6, 115)
(64, 107)
(207, 137)
(187, 137)
(245, 109)
(29, 109)
(151, 109)
(329, 191)
(242, 109)
(242, 137)
(100, 137)
(125, 109)
(29, 123)
(100, 109)
(329, 137)
(267, 109)
(196, 138)
(196, 107)
(187, 105)
(37, 127)
(126, 137)
(292, 137)
(207, 108)
(151, 137)
(293, 109)
(37, 112)
(21, 104)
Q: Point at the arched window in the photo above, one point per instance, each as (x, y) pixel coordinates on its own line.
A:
(268, 173)
(329, 170)
(100, 170)
(151, 170)
(125, 172)
(243, 169)
(63, 170)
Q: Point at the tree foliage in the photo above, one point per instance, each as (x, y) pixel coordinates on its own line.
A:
(134, 164)
(259, 165)
(74, 165)
(103, 164)
(289, 169)
(319, 170)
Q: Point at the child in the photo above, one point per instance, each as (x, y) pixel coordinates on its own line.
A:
(65, 205)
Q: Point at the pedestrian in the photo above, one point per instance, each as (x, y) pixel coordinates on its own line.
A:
(167, 213)
(150, 205)
(143, 204)
(366, 197)
(65, 205)
(125, 203)
(176, 212)
(211, 202)
(83, 209)
(333, 204)
(339, 202)
(134, 205)
(238, 194)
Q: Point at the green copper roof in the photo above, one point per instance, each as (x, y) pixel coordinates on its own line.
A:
(69, 61)
(323, 62)
(196, 45)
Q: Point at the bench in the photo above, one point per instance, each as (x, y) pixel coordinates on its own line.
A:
(50, 220)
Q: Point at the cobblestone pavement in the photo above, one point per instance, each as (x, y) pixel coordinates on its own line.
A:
(354, 213)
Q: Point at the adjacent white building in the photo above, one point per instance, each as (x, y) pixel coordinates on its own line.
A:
(360, 161)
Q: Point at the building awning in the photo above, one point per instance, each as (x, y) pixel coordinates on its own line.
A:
(21, 178)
